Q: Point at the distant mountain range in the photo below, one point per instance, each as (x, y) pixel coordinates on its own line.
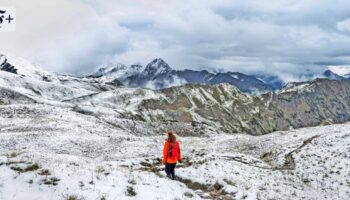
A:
(158, 75)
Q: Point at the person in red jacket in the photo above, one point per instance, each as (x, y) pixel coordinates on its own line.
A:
(171, 155)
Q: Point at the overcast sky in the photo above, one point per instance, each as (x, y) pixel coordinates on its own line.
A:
(281, 37)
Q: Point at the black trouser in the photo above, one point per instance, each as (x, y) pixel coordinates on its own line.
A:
(170, 170)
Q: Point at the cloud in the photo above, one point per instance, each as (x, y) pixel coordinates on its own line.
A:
(82, 52)
(344, 25)
(284, 37)
(341, 70)
(39, 22)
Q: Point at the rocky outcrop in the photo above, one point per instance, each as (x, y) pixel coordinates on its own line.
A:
(5, 66)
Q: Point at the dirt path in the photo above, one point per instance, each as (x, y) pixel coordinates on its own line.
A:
(216, 191)
(205, 191)
(289, 164)
(289, 160)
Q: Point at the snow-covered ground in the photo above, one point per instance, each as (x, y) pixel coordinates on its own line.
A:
(50, 152)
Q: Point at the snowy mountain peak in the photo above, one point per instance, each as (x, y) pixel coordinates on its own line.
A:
(21, 66)
(331, 75)
(109, 69)
(110, 72)
(156, 67)
(158, 61)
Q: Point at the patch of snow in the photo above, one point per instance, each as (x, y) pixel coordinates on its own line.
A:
(234, 76)
(296, 87)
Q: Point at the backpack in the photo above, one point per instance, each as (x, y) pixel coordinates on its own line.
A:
(170, 150)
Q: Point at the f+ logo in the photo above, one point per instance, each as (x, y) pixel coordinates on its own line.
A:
(8, 19)
(2, 12)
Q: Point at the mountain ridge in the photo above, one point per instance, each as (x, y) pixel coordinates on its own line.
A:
(297, 105)
(252, 84)
(158, 75)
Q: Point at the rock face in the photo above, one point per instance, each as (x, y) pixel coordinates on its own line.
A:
(298, 105)
(312, 103)
(5, 66)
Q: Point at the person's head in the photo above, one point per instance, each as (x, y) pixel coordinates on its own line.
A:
(171, 137)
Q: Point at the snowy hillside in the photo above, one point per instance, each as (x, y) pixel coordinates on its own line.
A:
(56, 153)
(21, 66)
(20, 76)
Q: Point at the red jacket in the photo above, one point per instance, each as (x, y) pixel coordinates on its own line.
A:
(171, 152)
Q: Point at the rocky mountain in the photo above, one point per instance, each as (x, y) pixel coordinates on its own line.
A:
(297, 105)
(332, 76)
(119, 72)
(158, 75)
(336, 73)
